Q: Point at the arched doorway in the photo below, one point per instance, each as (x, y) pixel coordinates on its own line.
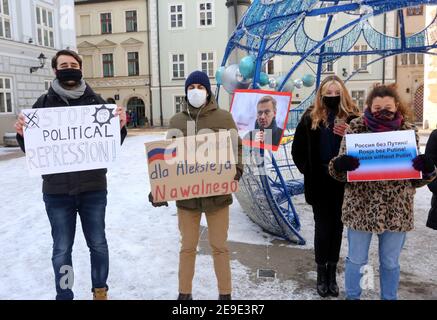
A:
(418, 104)
(110, 100)
(137, 112)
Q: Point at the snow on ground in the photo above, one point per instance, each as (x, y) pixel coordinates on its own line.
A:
(144, 241)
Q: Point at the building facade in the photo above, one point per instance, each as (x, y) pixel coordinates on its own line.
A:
(187, 35)
(410, 67)
(113, 40)
(28, 30)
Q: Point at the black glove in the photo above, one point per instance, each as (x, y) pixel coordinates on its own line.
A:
(238, 174)
(423, 163)
(157, 204)
(346, 163)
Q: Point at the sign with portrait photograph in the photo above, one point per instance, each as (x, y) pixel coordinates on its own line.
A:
(261, 117)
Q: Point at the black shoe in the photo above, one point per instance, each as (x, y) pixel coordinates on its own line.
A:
(332, 281)
(225, 297)
(185, 296)
(322, 280)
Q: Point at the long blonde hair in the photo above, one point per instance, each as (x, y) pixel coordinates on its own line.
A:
(319, 113)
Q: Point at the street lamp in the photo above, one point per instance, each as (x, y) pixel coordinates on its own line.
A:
(42, 60)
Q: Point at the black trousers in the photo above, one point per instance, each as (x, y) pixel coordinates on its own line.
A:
(327, 217)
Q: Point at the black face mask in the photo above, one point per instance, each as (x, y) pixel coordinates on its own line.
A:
(66, 75)
(332, 103)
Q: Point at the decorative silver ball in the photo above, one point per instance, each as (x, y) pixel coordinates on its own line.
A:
(272, 83)
(298, 83)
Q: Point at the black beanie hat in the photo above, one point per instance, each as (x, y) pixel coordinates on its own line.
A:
(198, 77)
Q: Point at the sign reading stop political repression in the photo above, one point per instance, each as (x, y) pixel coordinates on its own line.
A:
(66, 139)
(192, 167)
(383, 156)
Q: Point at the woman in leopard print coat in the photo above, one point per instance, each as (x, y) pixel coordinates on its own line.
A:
(385, 207)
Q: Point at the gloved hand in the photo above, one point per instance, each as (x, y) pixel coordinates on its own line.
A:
(157, 204)
(346, 163)
(423, 163)
(238, 174)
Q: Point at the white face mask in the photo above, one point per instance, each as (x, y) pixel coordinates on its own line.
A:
(196, 97)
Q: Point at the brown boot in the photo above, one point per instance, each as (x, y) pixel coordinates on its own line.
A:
(100, 294)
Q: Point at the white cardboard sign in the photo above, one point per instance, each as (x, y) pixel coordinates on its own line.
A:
(67, 139)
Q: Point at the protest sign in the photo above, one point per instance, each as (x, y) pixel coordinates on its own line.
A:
(191, 167)
(66, 139)
(261, 116)
(383, 156)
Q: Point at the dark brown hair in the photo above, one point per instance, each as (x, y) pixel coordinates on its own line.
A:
(268, 99)
(66, 53)
(381, 91)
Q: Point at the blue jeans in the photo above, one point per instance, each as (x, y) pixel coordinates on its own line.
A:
(62, 210)
(390, 246)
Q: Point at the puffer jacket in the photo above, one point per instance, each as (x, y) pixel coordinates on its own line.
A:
(207, 117)
(378, 206)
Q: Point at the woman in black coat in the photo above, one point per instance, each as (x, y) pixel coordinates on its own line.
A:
(316, 141)
(431, 151)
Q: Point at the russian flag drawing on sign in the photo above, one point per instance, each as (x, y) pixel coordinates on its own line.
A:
(161, 154)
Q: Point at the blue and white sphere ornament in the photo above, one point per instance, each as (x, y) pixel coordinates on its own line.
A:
(263, 79)
(247, 66)
(232, 79)
(288, 87)
(219, 75)
(308, 80)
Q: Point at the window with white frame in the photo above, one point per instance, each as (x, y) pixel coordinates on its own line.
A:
(206, 14)
(269, 67)
(178, 103)
(360, 61)
(47, 84)
(5, 20)
(207, 63)
(108, 65)
(411, 59)
(176, 16)
(358, 98)
(44, 26)
(133, 64)
(5, 95)
(178, 66)
(106, 23)
(131, 21)
(329, 66)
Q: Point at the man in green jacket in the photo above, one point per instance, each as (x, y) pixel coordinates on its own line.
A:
(201, 112)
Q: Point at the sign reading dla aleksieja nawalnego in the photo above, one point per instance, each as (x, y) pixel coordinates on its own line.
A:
(192, 167)
(66, 139)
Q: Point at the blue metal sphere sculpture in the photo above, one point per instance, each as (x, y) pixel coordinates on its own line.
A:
(268, 26)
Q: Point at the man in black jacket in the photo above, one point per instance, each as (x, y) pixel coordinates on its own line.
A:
(83, 192)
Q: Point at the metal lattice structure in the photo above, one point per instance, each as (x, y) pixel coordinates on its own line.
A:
(266, 30)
